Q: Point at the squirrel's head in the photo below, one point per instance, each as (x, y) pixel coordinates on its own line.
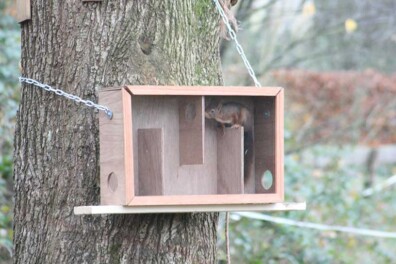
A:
(211, 112)
(212, 108)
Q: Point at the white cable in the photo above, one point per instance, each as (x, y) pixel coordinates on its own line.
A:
(389, 182)
(344, 229)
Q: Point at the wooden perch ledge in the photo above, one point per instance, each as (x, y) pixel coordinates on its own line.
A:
(119, 209)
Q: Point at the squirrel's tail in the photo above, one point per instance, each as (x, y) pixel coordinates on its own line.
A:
(249, 173)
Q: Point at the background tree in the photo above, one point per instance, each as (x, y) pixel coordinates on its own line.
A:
(80, 48)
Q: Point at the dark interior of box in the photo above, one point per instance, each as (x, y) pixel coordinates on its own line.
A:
(177, 151)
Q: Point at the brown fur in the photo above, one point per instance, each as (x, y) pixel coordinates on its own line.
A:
(226, 5)
(232, 113)
(236, 115)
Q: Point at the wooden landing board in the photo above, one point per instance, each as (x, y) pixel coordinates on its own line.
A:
(230, 161)
(151, 161)
(23, 10)
(118, 209)
(191, 130)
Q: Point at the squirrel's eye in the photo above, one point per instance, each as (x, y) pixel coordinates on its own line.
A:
(212, 111)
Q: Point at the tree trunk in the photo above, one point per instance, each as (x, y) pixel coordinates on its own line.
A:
(80, 48)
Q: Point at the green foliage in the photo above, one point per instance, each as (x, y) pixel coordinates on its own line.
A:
(332, 189)
(9, 98)
(5, 207)
(320, 36)
(9, 95)
(5, 218)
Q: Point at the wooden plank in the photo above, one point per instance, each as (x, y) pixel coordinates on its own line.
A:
(157, 112)
(249, 160)
(112, 155)
(249, 169)
(191, 128)
(128, 147)
(150, 160)
(206, 199)
(230, 161)
(204, 90)
(265, 136)
(116, 160)
(163, 112)
(279, 143)
(91, 210)
(198, 179)
(23, 10)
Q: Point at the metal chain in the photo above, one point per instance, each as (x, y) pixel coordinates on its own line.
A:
(75, 98)
(108, 112)
(237, 45)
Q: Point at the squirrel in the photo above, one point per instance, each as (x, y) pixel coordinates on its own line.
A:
(231, 113)
(236, 115)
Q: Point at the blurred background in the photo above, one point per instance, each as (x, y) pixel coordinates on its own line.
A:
(337, 63)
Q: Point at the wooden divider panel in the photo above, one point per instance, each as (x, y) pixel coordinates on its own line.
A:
(191, 130)
(151, 161)
(230, 161)
(264, 136)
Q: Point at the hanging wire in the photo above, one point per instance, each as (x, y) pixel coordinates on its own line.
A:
(322, 227)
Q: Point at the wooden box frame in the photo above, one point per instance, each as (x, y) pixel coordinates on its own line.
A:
(116, 147)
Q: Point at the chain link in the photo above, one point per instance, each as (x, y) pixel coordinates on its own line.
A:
(75, 98)
(238, 46)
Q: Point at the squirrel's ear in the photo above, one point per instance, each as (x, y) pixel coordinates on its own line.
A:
(210, 102)
(220, 104)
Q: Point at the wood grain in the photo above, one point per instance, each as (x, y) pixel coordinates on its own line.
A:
(191, 130)
(23, 10)
(264, 133)
(163, 112)
(167, 174)
(81, 48)
(204, 90)
(151, 161)
(230, 161)
(279, 144)
(128, 147)
(90, 210)
(261, 198)
(111, 136)
(116, 179)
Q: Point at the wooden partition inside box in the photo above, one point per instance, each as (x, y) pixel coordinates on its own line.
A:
(160, 150)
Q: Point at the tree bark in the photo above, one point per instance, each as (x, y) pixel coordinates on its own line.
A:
(81, 47)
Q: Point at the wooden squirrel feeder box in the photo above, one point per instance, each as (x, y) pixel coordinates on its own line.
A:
(159, 153)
